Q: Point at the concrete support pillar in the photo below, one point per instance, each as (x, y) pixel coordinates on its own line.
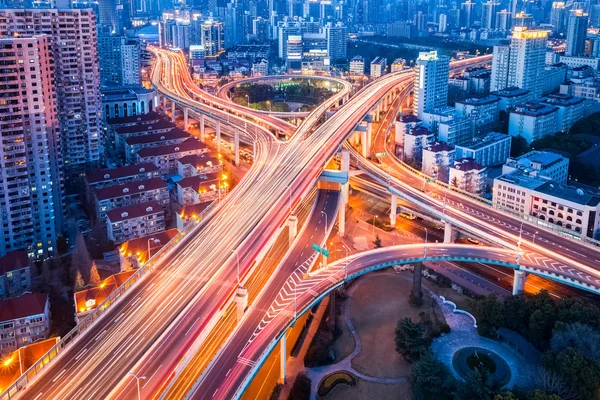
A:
(342, 213)
(519, 280)
(365, 144)
(218, 136)
(345, 167)
(282, 358)
(201, 125)
(448, 232)
(293, 228)
(394, 211)
(236, 146)
(241, 300)
(186, 119)
(172, 111)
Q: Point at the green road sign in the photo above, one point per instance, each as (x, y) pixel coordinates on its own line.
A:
(321, 250)
(385, 153)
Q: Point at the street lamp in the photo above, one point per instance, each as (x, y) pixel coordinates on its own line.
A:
(290, 197)
(425, 247)
(156, 241)
(346, 264)
(137, 379)
(374, 218)
(533, 240)
(247, 100)
(325, 214)
(520, 236)
(270, 108)
(238, 264)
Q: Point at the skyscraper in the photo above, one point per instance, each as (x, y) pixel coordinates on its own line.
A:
(576, 33)
(488, 15)
(31, 180)
(523, 63)
(77, 78)
(431, 82)
(557, 16)
(119, 60)
(337, 40)
(467, 14)
(212, 38)
(503, 20)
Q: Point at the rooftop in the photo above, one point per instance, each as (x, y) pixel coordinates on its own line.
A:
(408, 118)
(139, 246)
(143, 118)
(545, 159)
(192, 210)
(189, 145)
(173, 134)
(563, 100)
(419, 131)
(129, 188)
(198, 182)
(23, 306)
(139, 128)
(88, 299)
(439, 146)
(121, 172)
(492, 137)
(134, 211)
(570, 193)
(13, 261)
(511, 92)
(520, 178)
(467, 164)
(479, 101)
(200, 160)
(534, 109)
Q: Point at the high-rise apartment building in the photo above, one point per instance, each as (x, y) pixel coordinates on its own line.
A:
(31, 181)
(431, 83)
(337, 40)
(522, 64)
(488, 15)
(576, 33)
(503, 20)
(212, 38)
(72, 34)
(119, 60)
(558, 16)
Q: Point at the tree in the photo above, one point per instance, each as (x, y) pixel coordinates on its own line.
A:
(417, 292)
(579, 372)
(377, 241)
(79, 283)
(430, 379)
(582, 337)
(574, 309)
(80, 258)
(94, 276)
(454, 182)
(519, 310)
(477, 386)
(505, 395)
(489, 313)
(301, 388)
(542, 319)
(411, 339)
(46, 275)
(518, 146)
(541, 395)
(540, 379)
(62, 245)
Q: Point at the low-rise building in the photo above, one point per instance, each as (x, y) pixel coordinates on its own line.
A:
(579, 61)
(403, 124)
(88, 299)
(15, 274)
(201, 188)
(166, 157)
(357, 66)
(23, 320)
(468, 175)
(570, 109)
(116, 176)
(415, 140)
(137, 192)
(199, 164)
(378, 67)
(398, 65)
(260, 68)
(492, 149)
(151, 117)
(437, 158)
(124, 132)
(570, 210)
(537, 163)
(533, 121)
(456, 131)
(136, 143)
(136, 252)
(127, 101)
(135, 220)
(511, 96)
(192, 212)
(484, 111)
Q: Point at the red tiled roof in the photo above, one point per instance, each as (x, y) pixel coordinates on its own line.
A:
(198, 180)
(158, 137)
(13, 261)
(189, 145)
(150, 116)
(162, 124)
(192, 210)
(121, 172)
(467, 164)
(28, 356)
(100, 292)
(22, 306)
(200, 160)
(134, 211)
(130, 188)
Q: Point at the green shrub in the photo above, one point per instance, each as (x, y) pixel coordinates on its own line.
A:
(332, 380)
(301, 388)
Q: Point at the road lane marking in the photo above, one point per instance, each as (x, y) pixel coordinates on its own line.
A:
(81, 353)
(38, 396)
(58, 376)
(151, 376)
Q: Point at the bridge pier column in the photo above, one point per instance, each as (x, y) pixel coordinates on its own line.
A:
(186, 119)
(394, 211)
(345, 167)
(201, 125)
(365, 140)
(520, 277)
(342, 214)
(292, 223)
(282, 357)
(241, 300)
(236, 146)
(218, 135)
(448, 232)
(172, 111)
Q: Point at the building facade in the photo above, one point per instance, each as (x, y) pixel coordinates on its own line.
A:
(431, 83)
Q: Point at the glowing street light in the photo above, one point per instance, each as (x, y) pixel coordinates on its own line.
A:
(137, 379)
